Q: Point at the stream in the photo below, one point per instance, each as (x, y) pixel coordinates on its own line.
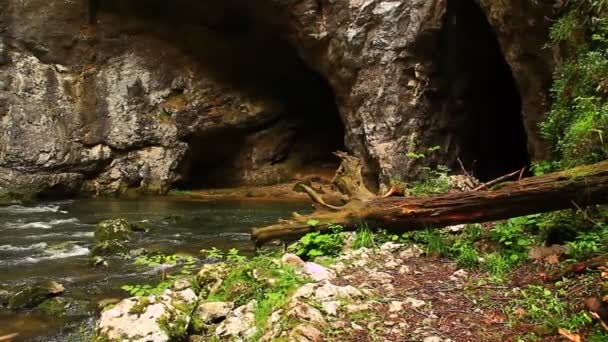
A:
(52, 240)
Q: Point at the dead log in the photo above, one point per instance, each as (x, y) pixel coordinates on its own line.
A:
(585, 185)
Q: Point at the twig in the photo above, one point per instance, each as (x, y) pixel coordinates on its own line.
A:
(586, 216)
(497, 180)
(521, 173)
(463, 169)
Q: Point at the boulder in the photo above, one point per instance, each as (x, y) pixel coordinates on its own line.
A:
(61, 306)
(32, 296)
(113, 230)
(211, 276)
(148, 319)
(213, 312)
(318, 272)
(305, 333)
(106, 248)
(240, 323)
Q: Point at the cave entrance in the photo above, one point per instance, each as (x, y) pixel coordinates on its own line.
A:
(290, 125)
(249, 54)
(484, 98)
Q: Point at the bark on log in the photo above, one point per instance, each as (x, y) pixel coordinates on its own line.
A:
(582, 186)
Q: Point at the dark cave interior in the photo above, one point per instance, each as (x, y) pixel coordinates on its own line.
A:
(483, 95)
(249, 55)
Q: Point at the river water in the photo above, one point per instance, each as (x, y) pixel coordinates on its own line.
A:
(51, 241)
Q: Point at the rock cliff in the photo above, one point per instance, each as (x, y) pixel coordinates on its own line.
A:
(104, 96)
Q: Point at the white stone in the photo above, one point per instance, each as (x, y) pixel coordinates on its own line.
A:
(395, 306)
(213, 311)
(415, 303)
(412, 252)
(318, 272)
(331, 307)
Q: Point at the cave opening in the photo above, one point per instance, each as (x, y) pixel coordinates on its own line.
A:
(484, 99)
(240, 45)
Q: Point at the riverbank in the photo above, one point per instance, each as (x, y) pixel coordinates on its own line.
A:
(369, 290)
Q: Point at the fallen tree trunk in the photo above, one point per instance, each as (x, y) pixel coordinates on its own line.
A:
(581, 186)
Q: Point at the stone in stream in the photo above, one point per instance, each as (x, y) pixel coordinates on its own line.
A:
(32, 296)
(160, 318)
(115, 229)
(61, 306)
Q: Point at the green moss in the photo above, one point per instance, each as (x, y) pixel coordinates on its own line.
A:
(140, 307)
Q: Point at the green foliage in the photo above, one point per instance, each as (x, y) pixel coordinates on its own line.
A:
(433, 181)
(179, 192)
(364, 237)
(433, 241)
(262, 279)
(578, 120)
(142, 290)
(466, 254)
(317, 244)
(513, 238)
(497, 264)
(213, 253)
(588, 243)
(540, 305)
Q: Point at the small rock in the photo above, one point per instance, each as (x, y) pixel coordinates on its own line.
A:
(305, 333)
(390, 246)
(292, 259)
(213, 312)
(352, 308)
(404, 269)
(331, 307)
(305, 291)
(432, 339)
(329, 291)
(304, 312)
(415, 303)
(33, 296)
(395, 306)
(411, 252)
(456, 228)
(318, 272)
(181, 284)
(391, 264)
(460, 274)
(356, 326)
(240, 323)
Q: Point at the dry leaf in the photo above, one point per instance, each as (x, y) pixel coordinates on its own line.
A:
(570, 336)
(552, 259)
(519, 312)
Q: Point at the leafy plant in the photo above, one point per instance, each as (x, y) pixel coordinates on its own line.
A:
(578, 119)
(213, 253)
(317, 244)
(364, 237)
(142, 290)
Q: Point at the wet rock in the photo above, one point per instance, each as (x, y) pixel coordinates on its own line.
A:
(240, 323)
(213, 312)
(103, 303)
(305, 333)
(61, 306)
(32, 296)
(106, 248)
(4, 297)
(148, 319)
(113, 230)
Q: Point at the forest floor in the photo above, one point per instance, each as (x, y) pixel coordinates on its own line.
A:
(430, 299)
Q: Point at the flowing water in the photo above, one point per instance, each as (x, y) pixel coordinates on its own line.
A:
(51, 241)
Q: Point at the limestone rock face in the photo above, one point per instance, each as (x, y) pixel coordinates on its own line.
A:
(108, 97)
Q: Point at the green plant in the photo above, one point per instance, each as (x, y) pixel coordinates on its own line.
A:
(432, 181)
(234, 256)
(466, 255)
(142, 290)
(540, 305)
(213, 253)
(317, 244)
(497, 264)
(578, 118)
(364, 237)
